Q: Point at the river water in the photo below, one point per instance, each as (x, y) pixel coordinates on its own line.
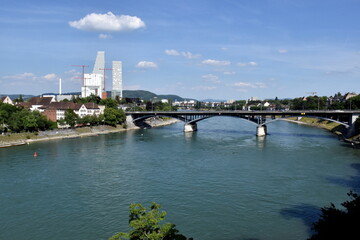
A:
(221, 182)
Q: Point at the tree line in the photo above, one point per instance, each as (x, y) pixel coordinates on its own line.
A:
(18, 119)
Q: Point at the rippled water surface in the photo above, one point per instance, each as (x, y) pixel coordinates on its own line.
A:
(221, 182)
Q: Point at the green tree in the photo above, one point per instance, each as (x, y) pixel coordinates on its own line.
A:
(109, 103)
(337, 223)
(114, 116)
(357, 125)
(353, 103)
(71, 117)
(146, 225)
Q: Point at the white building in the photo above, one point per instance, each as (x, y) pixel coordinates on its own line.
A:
(7, 100)
(117, 79)
(56, 110)
(253, 99)
(99, 63)
(93, 84)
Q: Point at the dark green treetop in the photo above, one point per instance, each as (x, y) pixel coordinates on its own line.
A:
(146, 225)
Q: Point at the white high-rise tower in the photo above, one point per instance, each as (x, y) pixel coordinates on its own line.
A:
(99, 63)
(117, 79)
(94, 82)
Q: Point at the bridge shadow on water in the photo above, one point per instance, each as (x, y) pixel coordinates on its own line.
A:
(353, 183)
(307, 213)
(310, 213)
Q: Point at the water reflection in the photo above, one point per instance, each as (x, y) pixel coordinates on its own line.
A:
(261, 141)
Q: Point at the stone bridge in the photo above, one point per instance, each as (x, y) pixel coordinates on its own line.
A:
(259, 118)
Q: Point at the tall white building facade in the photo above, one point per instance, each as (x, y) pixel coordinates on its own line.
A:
(117, 79)
(99, 63)
(93, 84)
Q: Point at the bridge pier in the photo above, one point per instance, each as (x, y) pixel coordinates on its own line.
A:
(351, 130)
(190, 127)
(261, 130)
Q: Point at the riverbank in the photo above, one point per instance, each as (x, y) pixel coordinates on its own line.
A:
(18, 139)
(333, 127)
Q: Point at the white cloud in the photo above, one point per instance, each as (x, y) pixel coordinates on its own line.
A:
(248, 85)
(73, 75)
(204, 88)
(190, 55)
(108, 22)
(248, 64)
(242, 84)
(21, 76)
(215, 62)
(50, 76)
(211, 78)
(260, 85)
(229, 73)
(146, 65)
(186, 54)
(30, 77)
(283, 51)
(104, 36)
(172, 52)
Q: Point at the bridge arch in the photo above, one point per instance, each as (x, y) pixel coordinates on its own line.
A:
(193, 121)
(241, 117)
(308, 116)
(158, 115)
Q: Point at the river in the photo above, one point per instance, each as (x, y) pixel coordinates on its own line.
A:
(221, 182)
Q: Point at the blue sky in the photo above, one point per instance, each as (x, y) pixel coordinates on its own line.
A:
(227, 49)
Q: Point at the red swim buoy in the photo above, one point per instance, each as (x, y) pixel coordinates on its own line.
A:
(35, 154)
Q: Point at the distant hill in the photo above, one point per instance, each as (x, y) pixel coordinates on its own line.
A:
(213, 100)
(171, 97)
(13, 96)
(146, 95)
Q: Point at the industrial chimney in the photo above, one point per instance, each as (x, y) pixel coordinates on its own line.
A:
(60, 86)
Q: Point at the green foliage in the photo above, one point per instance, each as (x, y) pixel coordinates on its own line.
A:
(309, 103)
(339, 224)
(146, 225)
(92, 98)
(89, 120)
(109, 103)
(71, 117)
(158, 106)
(357, 125)
(135, 109)
(114, 116)
(353, 103)
(24, 120)
(19, 99)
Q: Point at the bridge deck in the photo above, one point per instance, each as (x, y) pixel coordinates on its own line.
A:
(248, 113)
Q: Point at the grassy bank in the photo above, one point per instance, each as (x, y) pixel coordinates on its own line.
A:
(333, 127)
